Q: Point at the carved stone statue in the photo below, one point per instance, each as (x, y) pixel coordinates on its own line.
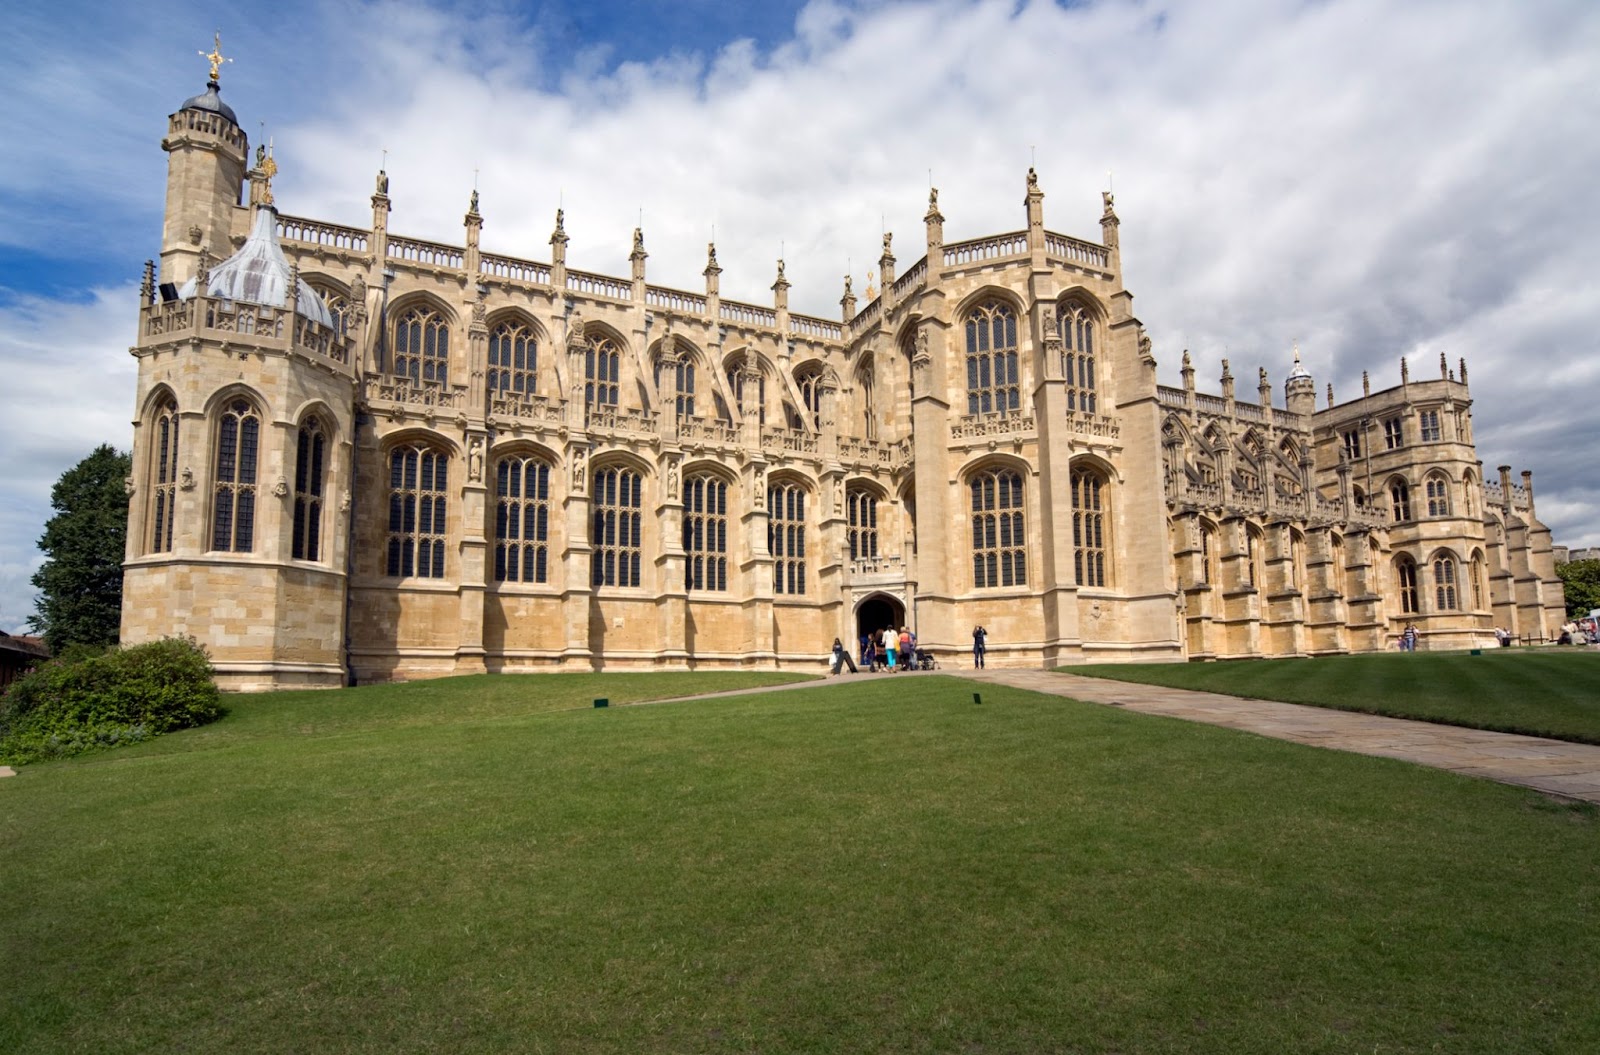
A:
(281, 488)
(475, 460)
(358, 291)
(127, 485)
(579, 470)
(383, 182)
(472, 206)
(1033, 179)
(672, 478)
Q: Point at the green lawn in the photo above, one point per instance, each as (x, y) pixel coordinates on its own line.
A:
(869, 866)
(1543, 692)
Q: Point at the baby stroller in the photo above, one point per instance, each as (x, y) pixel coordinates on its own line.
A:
(925, 660)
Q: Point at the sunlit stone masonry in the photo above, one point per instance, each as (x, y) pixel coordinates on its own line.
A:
(363, 456)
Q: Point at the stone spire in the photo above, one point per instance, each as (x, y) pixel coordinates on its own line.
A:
(934, 220)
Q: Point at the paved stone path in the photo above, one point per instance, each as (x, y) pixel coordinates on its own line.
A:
(1555, 767)
(7, 771)
(1552, 766)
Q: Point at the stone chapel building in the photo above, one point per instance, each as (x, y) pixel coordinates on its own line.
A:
(363, 456)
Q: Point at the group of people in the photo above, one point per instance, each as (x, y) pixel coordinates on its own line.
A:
(887, 649)
(1408, 638)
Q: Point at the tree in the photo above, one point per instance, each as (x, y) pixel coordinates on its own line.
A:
(1580, 582)
(80, 599)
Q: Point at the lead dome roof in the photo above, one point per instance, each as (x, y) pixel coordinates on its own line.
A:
(210, 100)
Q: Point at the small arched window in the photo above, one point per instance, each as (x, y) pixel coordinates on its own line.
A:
(1438, 491)
(418, 503)
(862, 508)
(617, 536)
(513, 361)
(422, 346)
(1089, 527)
(601, 373)
(786, 537)
(1400, 500)
(810, 383)
(522, 520)
(705, 533)
(1406, 574)
(999, 541)
(869, 410)
(1076, 326)
(310, 461)
(163, 475)
(1208, 553)
(993, 377)
(1444, 583)
(233, 512)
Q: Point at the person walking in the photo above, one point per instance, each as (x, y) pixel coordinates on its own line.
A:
(841, 657)
(891, 645)
(908, 658)
(980, 646)
(1408, 640)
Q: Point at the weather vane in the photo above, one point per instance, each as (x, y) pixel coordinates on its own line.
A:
(216, 58)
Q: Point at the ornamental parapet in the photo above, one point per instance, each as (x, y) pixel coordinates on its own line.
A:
(525, 407)
(696, 430)
(225, 321)
(1094, 426)
(623, 421)
(873, 454)
(878, 570)
(985, 426)
(402, 392)
(788, 441)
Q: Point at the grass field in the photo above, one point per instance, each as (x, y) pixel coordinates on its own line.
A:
(489, 865)
(1543, 692)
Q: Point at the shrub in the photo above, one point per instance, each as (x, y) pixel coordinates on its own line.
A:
(82, 702)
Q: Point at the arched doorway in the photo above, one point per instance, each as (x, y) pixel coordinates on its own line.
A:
(879, 612)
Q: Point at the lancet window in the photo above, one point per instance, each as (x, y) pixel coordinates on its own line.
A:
(1438, 492)
(601, 373)
(1444, 583)
(998, 537)
(310, 461)
(1406, 573)
(1076, 326)
(422, 347)
(513, 360)
(233, 512)
(1428, 422)
(993, 378)
(786, 537)
(1088, 527)
(522, 520)
(862, 519)
(164, 476)
(1400, 500)
(675, 382)
(705, 533)
(617, 536)
(418, 503)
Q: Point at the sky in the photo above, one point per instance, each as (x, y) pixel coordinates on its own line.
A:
(1365, 179)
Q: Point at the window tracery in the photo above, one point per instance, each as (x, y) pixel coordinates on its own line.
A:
(418, 502)
(309, 457)
(618, 527)
(993, 378)
(1088, 527)
(233, 513)
(1076, 326)
(786, 537)
(705, 533)
(862, 519)
(998, 538)
(522, 520)
(601, 372)
(513, 360)
(164, 476)
(422, 346)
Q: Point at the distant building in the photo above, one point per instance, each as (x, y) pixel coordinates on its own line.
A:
(19, 653)
(362, 454)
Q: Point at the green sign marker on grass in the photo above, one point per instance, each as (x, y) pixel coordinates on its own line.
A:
(602, 702)
(977, 698)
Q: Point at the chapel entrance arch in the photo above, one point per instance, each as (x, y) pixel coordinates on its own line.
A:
(879, 612)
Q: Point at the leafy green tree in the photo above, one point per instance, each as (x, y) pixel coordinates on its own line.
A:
(80, 598)
(1580, 581)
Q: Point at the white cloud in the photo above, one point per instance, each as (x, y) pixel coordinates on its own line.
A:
(1374, 178)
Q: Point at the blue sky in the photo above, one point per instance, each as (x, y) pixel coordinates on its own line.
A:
(1372, 179)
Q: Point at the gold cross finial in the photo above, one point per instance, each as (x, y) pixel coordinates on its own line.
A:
(216, 58)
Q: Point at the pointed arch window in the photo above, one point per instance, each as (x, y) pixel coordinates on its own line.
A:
(1251, 571)
(1076, 326)
(1400, 500)
(862, 518)
(522, 520)
(869, 410)
(422, 346)
(601, 373)
(705, 533)
(164, 476)
(786, 537)
(617, 535)
(1437, 489)
(999, 540)
(1444, 583)
(1406, 573)
(338, 306)
(1208, 549)
(418, 504)
(233, 511)
(1088, 527)
(675, 381)
(513, 361)
(993, 377)
(310, 460)
(810, 384)
(751, 395)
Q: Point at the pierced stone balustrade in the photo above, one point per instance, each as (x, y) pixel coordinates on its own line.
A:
(792, 441)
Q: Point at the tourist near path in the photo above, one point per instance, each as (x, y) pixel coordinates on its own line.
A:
(1556, 767)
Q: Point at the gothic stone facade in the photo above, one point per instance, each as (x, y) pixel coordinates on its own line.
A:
(471, 462)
